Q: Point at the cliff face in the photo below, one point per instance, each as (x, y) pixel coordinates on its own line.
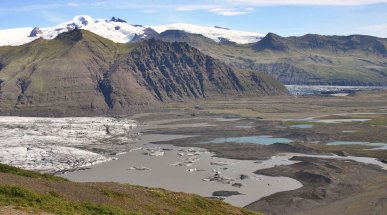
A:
(80, 73)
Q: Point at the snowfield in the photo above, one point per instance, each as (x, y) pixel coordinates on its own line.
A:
(62, 144)
(120, 31)
(214, 33)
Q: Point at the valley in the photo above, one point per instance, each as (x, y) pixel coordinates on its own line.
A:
(182, 134)
(101, 116)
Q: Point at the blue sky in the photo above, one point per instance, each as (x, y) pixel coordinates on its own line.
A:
(284, 17)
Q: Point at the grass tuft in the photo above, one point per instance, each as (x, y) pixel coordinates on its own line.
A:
(30, 174)
(52, 203)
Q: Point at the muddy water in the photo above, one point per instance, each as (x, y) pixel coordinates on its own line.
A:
(164, 173)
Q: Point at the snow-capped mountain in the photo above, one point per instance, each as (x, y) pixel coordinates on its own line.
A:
(216, 33)
(120, 31)
(115, 29)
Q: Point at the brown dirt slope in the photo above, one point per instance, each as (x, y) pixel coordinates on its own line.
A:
(329, 187)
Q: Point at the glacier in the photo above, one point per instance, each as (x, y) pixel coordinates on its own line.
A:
(120, 31)
(61, 144)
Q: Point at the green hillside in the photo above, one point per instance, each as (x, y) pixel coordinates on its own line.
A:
(24, 191)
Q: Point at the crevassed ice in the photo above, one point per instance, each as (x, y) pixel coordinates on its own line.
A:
(59, 144)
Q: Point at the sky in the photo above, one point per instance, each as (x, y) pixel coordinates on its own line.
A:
(283, 17)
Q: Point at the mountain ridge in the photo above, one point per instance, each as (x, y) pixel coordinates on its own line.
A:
(315, 41)
(310, 59)
(83, 72)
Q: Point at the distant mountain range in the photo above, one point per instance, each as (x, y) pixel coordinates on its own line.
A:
(81, 73)
(309, 59)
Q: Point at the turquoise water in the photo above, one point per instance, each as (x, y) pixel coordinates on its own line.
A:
(264, 140)
(347, 143)
(302, 126)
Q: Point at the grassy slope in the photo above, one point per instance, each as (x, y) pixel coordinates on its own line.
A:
(34, 192)
(22, 59)
(44, 64)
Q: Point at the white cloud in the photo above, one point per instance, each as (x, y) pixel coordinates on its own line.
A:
(231, 11)
(224, 10)
(241, 7)
(306, 2)
(192, 7)
(149, 11)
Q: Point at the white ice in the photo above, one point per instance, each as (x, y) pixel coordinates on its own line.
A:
(60, 144)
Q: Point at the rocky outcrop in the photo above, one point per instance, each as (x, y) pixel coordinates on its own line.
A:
(36, 32)
(114, 19)
(271, 42)
(83, 20)
(226, 41)
(148, 33)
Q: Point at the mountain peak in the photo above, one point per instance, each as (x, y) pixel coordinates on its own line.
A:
(73, 35)
(114, 19)
(147, 33)
(271, 42)
(272, 36)
(82, 20)
(35, 32)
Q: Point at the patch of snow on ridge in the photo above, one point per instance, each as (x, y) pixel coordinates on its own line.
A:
(215, 33)
(60, 144)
